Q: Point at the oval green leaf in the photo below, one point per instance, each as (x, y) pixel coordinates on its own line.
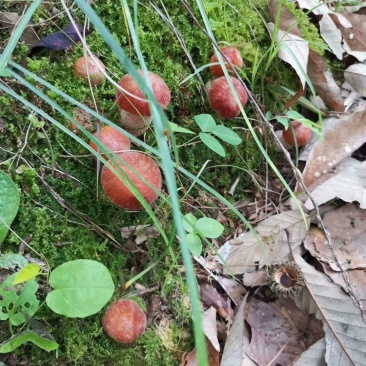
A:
(209, 228)
(194, 244)
(27, 273)
(27, 336)
(189, 222)
(81, 288)
(205, 122)
(212, 143)
(227, 135)
(9, 203)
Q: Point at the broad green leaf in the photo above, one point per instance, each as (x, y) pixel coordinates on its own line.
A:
(209, 228)
(283, 120)
(294, 115)
(12, 260)
(205, 122)
(27, 336)
(9, 203)
(194, 244)
(189, 222)
(5, 73)
(227, 135)
(81, 288)
(212, 143)
(14, 306)
(176, 128)
(27, 273)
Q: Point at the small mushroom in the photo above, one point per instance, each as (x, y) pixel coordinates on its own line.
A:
(298, 131)
(233, 56)
(90, 68)
(135, 124)
(222, 100)
(119, 193)
(131, 98)
(124, 321)
(113, 139)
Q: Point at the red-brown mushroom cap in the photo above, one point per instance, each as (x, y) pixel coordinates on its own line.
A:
(134, 123)
(119, 193)
(124, 321)
(93, 67)
(113, 139)
(222, 100)
(132, 102)
(302, 133)
(233, 56)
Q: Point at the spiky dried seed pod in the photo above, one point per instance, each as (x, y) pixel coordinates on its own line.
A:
(285, 279)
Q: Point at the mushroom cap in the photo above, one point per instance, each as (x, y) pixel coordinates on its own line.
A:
(91, 66)
(124, 321)
(119, 193)
(137, 106)
(113, 139)
(302, 133)
(222, 100)
(134, 123)
(233, 55)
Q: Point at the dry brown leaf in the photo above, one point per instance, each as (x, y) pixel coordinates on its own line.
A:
(323, 82)
(287, 21)
(342, 140)
(275, 338)
(235, 290)
(347, 229)
(211, 297)
(190, 359)
(209, 327)
(142, 232)
(257, 278)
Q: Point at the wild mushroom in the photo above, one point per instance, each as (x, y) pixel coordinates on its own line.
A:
(124, 321)
(131, 98)
(135, 124)
(298, 131)
(222, 100)
(113, 139)
(90, 68)
(119, 193)
(233, 56)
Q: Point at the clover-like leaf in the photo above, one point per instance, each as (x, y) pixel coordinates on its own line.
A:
(194, 244)
(189, 223)
(81, 288)
(209, 228)
(205, 122)
(212, 143)
(227, 135)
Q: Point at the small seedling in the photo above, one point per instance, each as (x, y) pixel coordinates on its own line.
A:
(204, 227)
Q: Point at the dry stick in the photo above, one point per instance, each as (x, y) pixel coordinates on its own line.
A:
(295, 170)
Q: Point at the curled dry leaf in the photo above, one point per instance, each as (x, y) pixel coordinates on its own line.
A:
(209, 327)
(287, 21)
(245, 253)
(142, 232)
(342, 140)
(323, 82)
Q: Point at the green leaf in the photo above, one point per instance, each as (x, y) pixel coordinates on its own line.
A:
(189, 223)
(209, 228)
(12, 260)
(27, 336)
(27, 273)
(212, 143)
(15, 301)
(283, 120)
(5, 73)
(81, 288)
(9, 203)
(215, 24)
(227, 135)
(194, 244)
(205, 122)
(294, 115)
(176, 128)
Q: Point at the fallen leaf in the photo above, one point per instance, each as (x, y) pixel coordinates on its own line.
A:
(257, 278)
(211, 297)
(58, 41)
(142, 233)
(342, 140)
(234, 289)
(349, 185)
(190, 359)
(287, 21)
(275, 337)
(209, 327)
(293, 50)
(323, 82)
(313, 356)
(245, 254)
(346, 337)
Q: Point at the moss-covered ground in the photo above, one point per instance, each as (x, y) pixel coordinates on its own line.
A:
(64, 215)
